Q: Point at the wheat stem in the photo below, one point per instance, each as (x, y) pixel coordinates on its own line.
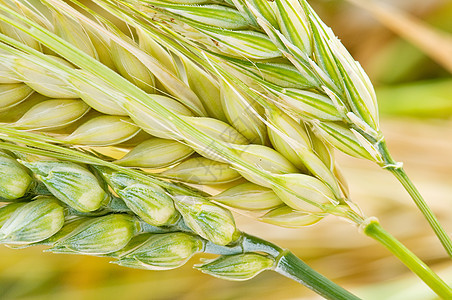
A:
(397, 170)
(374, 230)
(292, 267)
(288, 265)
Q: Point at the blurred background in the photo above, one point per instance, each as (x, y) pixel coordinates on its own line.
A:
(406, 48)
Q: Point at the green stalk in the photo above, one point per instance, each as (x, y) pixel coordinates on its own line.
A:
(397, 170)
(290, 266)
(374, 230)
(287, 264)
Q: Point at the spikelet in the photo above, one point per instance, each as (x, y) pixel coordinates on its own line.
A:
(102, 47)
(265, 8)
(155, 153)
(15, 180)
(154, 123)
(206, 87)
(285, 134)
(160, 251)
(237, 267)
(291, 139)
(70, 183)
(43, 80)
(244, 113)
(286, 216)
(207, 219)
(104, 131)
(150, 46)
(73, 32)
(171, 82)
(342, 138)
(17, 34)
(202, 170)
(210, 14)
(264, 158)
(101, 98)
(280, 74)
(97, 236)
(131, 68)
(53, 114)
(242, 43)
(217, 130)
(248, 196)
(309, 104)
(149, 201)
(13, 94)
(33, 222)
(304, 193)
(294, 24)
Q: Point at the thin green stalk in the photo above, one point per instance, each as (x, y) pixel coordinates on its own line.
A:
(397, 170)
(374, 230)
(290, 266)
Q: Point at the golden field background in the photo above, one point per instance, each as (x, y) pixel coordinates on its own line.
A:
(415, 94)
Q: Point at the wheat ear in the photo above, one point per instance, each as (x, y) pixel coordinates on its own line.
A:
(180, 127)
(253, 33)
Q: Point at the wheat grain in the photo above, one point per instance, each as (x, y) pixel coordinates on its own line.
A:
(248, 196)
(15, 179)
(100, 235)
(149, 201)
(53, 114)
(32, 222)
(13, 94)
(159, 251)
(244, 114)
(201, 170)
(155, 153)
(103, 131)
(286, 216)
(237, 267)
(69, 182)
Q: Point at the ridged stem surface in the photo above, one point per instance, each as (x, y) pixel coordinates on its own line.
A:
(374, 230)
(398, 171)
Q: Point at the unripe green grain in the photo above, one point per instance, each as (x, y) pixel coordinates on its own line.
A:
(237, 267)
(155, 153)
(202, 170)
(162, 251)
(15, 180)
(100, 235)
(104, 131)
(33, 222)
(248, 196)
(53, 114)
(208, 220)
(70, 183)
(13, 94)
(286, 216)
